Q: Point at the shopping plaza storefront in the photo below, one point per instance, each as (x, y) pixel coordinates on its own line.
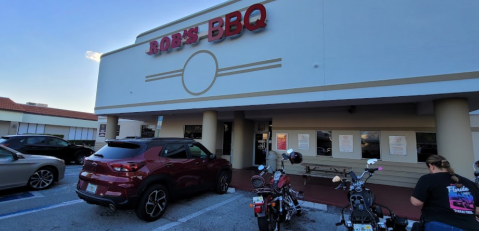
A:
(337, 81)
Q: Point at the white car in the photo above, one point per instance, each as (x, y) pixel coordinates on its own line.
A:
(35, 171)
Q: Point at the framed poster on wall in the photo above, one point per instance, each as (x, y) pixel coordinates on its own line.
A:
(281, 141)
(102, 131)
(397, 145)
(303, 141)
(346, 143)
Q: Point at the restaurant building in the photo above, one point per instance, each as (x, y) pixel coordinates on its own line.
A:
(338, 81)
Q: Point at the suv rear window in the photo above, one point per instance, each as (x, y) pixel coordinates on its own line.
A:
(3, 140)
(119, 150)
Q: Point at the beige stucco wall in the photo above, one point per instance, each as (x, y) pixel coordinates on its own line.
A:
(173, 126)
(11, 116)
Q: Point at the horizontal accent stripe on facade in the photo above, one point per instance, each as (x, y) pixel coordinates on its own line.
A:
(475, 129)
(249, 70)
(164, 77)
(346, 86)
(174, 32)
(419, 129)
(250, 64)
(164, 73)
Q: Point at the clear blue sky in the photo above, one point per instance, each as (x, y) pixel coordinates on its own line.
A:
(44, 44)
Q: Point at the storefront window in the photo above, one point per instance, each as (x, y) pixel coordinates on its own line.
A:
(147, 131)
(323, 143)
(193, 131)
(370, 147)
(426, 145)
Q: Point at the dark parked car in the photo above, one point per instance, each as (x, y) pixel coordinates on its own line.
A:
(144, 174)
(47, 146)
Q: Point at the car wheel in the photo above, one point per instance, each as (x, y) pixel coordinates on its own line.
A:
(153, 203)
(80, 158)
(222, 184)
(42, 178)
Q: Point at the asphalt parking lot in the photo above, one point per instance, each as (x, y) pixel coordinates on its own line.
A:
(59, 208)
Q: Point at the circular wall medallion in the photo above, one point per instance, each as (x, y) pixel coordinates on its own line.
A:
(199, 73)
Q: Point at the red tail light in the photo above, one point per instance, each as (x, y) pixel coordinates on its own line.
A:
(128, 167)
(6, 145)
(258, 208)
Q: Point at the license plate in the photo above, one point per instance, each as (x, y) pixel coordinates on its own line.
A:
(258, 200)
(360, 227)
(91, 188)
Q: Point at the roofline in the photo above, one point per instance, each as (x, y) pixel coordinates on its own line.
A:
(221, 5)
(167, 34)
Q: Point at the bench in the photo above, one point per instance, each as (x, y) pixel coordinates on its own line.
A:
(311, 169)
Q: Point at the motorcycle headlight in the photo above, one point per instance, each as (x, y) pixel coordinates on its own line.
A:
(277, 175)
(257, 183)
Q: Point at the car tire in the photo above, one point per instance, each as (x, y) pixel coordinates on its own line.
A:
(80, 157)
(42, 178)
(222, 184)
(153, 203)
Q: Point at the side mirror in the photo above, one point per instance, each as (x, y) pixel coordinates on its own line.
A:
(213, 156)
(15, 156)
(261, 167)
(290, 151)
(336, 179)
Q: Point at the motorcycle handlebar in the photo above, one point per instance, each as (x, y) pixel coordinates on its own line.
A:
(372, 170)
(264, 171)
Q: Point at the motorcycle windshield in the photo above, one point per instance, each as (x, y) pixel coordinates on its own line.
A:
(277, 175)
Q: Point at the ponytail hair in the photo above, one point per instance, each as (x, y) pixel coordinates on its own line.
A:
(442, 163)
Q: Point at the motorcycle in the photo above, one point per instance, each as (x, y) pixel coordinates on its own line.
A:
(276, 202)
(365, 214)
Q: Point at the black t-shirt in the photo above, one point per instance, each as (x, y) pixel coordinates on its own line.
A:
(445, 203)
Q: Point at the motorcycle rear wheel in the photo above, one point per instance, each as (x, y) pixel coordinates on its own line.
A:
(265, 224)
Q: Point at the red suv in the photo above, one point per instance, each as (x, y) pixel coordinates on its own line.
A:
(143, 174)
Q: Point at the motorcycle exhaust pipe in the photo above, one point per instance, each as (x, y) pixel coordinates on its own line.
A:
(112, 207)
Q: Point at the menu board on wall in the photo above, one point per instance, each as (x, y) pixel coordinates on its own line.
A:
(303, 141)
(397, 145)
(346, 143)
(281, 141)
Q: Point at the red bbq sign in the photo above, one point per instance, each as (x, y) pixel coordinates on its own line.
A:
(218, 28)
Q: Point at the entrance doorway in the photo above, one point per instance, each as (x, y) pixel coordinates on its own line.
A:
(261, 148)
(227, 137)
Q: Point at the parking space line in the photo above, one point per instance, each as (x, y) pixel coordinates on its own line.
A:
(191, 216)
(35, 195)
(43, 208)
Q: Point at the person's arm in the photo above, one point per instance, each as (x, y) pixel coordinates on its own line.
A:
(420, 194)
(416, 202)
